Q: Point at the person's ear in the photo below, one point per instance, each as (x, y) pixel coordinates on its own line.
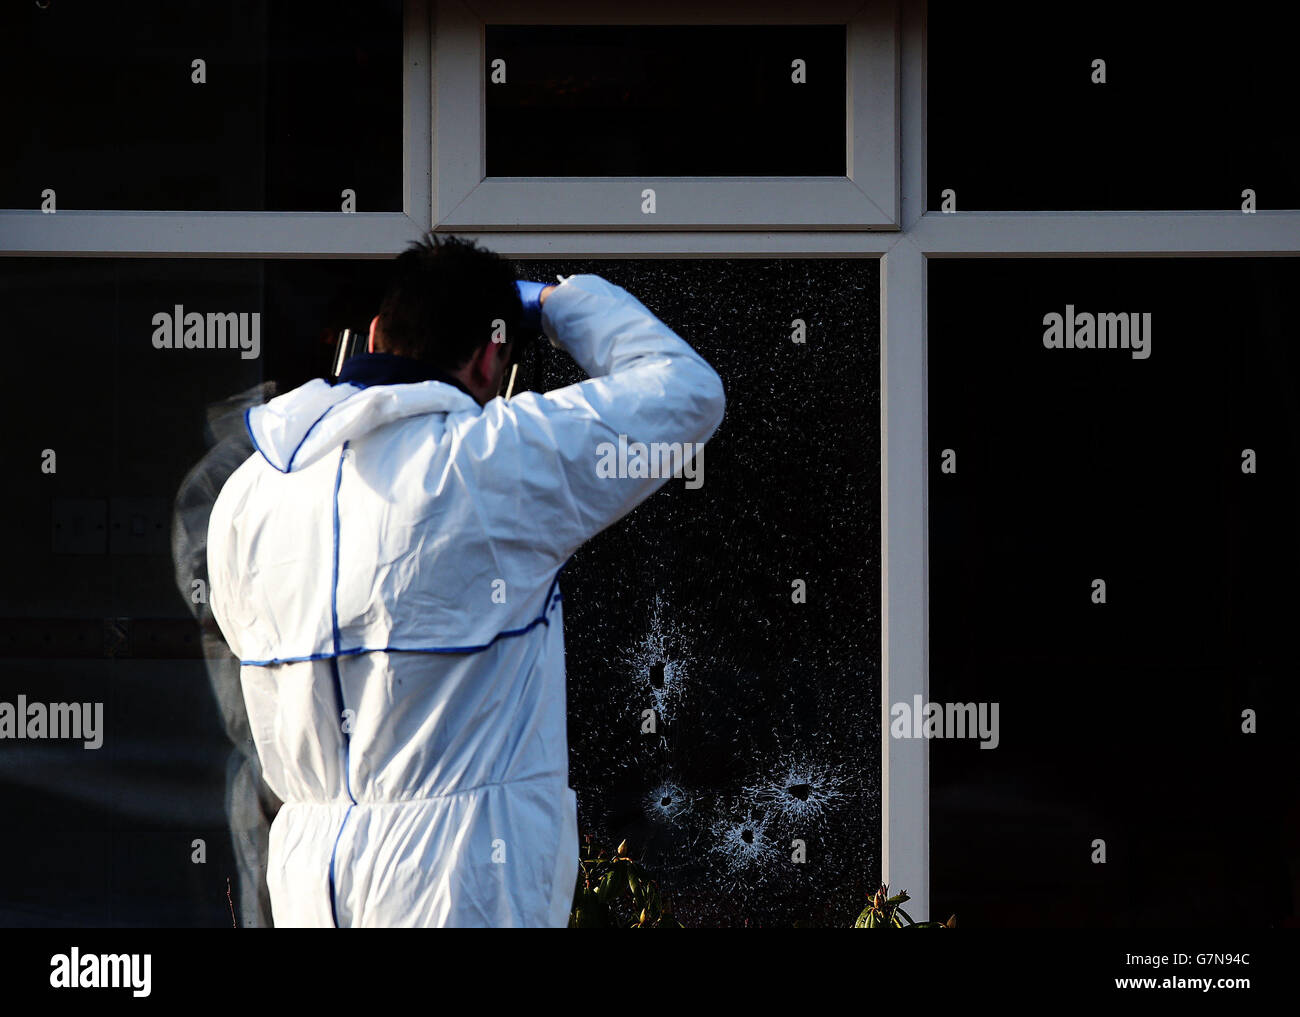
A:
(483, 364)
(374, 324)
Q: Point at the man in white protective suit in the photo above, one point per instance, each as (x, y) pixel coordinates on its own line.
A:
(386, 568)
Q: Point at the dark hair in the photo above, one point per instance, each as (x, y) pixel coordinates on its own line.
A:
(443, 297)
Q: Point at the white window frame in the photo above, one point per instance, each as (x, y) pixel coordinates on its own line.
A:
(866, 197)
(904, 252)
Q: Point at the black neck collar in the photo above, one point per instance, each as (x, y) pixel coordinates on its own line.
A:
(366, 369)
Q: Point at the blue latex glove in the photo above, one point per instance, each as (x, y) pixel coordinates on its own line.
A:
(530, 294)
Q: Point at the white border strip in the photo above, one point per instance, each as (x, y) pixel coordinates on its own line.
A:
(904, 506)
(205, 234)
(526, 244)
(1117, 234)
(904, 574)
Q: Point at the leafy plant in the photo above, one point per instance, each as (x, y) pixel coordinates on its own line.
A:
(614, 892)
(885, 912)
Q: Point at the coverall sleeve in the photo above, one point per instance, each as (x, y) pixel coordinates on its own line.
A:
(646, 386)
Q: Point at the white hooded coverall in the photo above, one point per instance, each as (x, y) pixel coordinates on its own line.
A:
(413, 724)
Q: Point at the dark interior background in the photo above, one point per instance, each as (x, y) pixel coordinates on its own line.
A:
(1119, 721)
(301, 101)
(91, 610)
(629, 100)
(1197, 106)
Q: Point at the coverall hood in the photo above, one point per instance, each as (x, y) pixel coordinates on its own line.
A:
(293, 430)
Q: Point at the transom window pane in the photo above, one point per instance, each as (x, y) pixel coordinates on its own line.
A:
(1111, 106)
(630, 100)
(154, 105)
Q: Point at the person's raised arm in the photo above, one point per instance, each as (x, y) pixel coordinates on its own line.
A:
(589, 453)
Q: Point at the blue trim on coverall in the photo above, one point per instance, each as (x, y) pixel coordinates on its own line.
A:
(338, 690)
(248, 426)
(553, 597)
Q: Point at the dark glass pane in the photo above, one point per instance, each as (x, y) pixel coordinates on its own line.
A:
(97, 605)
(1197, 106)
(769, 708)
(632, 100)
(300, 102)
(1119, 721)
